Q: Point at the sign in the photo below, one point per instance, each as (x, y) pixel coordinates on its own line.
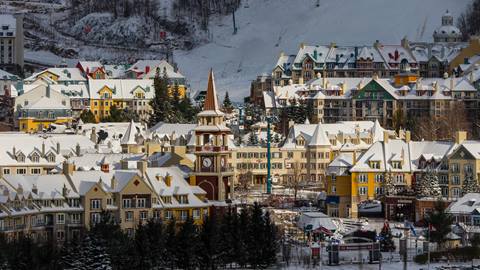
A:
(349, 247)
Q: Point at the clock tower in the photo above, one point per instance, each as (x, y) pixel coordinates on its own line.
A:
(212, 170)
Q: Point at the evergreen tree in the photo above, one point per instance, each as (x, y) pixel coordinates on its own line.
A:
(227, 103)
(87, 116)
(161, 106)
(470, 184)
(389, 184)
(176, 96)
(256, 237)
(143, 258)
(441, 221)
(253, 139)
(170, 245)
(428, 185)
(208, 252)
(270, 244)
(386, 242)
(186, 245)
(242, 247)
(156, 239)
(228, 237)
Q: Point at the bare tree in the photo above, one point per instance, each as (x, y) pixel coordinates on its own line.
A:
(294, 178)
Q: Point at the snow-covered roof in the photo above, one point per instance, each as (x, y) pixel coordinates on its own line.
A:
(121, 88)
(146, 69)
(8, 76)
(47, 103)
(64, 75)
(465, 205)
(319, 138)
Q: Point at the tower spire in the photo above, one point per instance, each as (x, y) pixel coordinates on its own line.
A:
(211, 102)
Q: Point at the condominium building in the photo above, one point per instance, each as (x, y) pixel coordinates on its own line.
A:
(11, 42)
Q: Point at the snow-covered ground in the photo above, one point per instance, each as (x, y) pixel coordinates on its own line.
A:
(267, 27)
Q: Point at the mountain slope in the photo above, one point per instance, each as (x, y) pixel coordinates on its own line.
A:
(267, 27)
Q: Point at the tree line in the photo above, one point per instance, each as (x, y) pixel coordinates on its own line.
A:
(245, 239)
(469, 20)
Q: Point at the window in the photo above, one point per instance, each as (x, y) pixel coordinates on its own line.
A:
(95, 204)
(455, 192)
(183, 215)
(75, 218)
(454, 168)
(455, 180)
(183, 199)
(60, 218)
(396, 165)
(362, 190)
(95, 218)
(127, 203)
(468, 168)
(141, 203)
(22, 171)
(399, 179)
(379, 178)
(60, 235)
(156, 215)
(51, 158)
(375, 164)
(196, 214)
(362, 178)
(378, 190)
(168, 214)
(6, 171)
(143, 215)
(128, 216)
(35, 171)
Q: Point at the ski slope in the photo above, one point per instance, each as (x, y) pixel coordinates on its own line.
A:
(267, 27)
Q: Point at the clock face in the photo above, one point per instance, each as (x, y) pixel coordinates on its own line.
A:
(207, 162)
(222, 161)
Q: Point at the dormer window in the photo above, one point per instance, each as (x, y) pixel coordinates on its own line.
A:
(51, 158)
(375, 164)
(35, 158)
(21, 157)
(396, 164)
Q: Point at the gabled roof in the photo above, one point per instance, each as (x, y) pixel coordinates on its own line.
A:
(129, 136)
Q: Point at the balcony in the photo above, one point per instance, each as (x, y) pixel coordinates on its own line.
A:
(209, 148)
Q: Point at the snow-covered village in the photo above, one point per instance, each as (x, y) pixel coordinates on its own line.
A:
(239, 134)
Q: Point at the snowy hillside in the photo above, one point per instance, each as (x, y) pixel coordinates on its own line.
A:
(267, 27)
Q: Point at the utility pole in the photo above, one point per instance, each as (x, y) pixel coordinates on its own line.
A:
(234, 21)
(269, 165)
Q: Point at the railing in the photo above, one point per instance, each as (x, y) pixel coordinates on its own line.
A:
(209, 148)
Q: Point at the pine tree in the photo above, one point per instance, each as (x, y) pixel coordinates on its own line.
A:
(143, 258)
(228, 237)
(470, 184)
(256, 237)
(161, 106)
(389, 184)
(386, 242)
(208, 252)
(270, 244)
(227, 103)
(156, 239)
(441, 221)
(87, 116)
(242, 247)
(170, 245)
(186, 245)
(428, 185)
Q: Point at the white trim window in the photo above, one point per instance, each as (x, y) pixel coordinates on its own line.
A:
(183, 215)
(60, 218)
(196, 213)
(95, 204)
(141, 203)
(362, 178)
(379, 178)
(362, 190)
(127, 203)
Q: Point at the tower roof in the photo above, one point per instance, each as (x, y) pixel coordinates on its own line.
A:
(129, 136)
(319, 137)
(377, 132)
(211, 102)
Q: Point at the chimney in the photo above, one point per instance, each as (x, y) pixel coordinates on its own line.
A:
(192, 180)
(460, 137)
(19, 189)
(68, 168)
(114, 183)
(377, 44)
(282, 53)
(58, 148)
(77, 149)
(302, 45)
(385, 136)
(168, 180)
(34, 189)
(43, 148)
(105, 167)
(14, 152)
(64, 190)
(354, 158)
(405, 44)
(47, 91)
(408, 136)
(142, 166)
(300, 80)
(147, 69)
(93, 135)
(290, 124)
